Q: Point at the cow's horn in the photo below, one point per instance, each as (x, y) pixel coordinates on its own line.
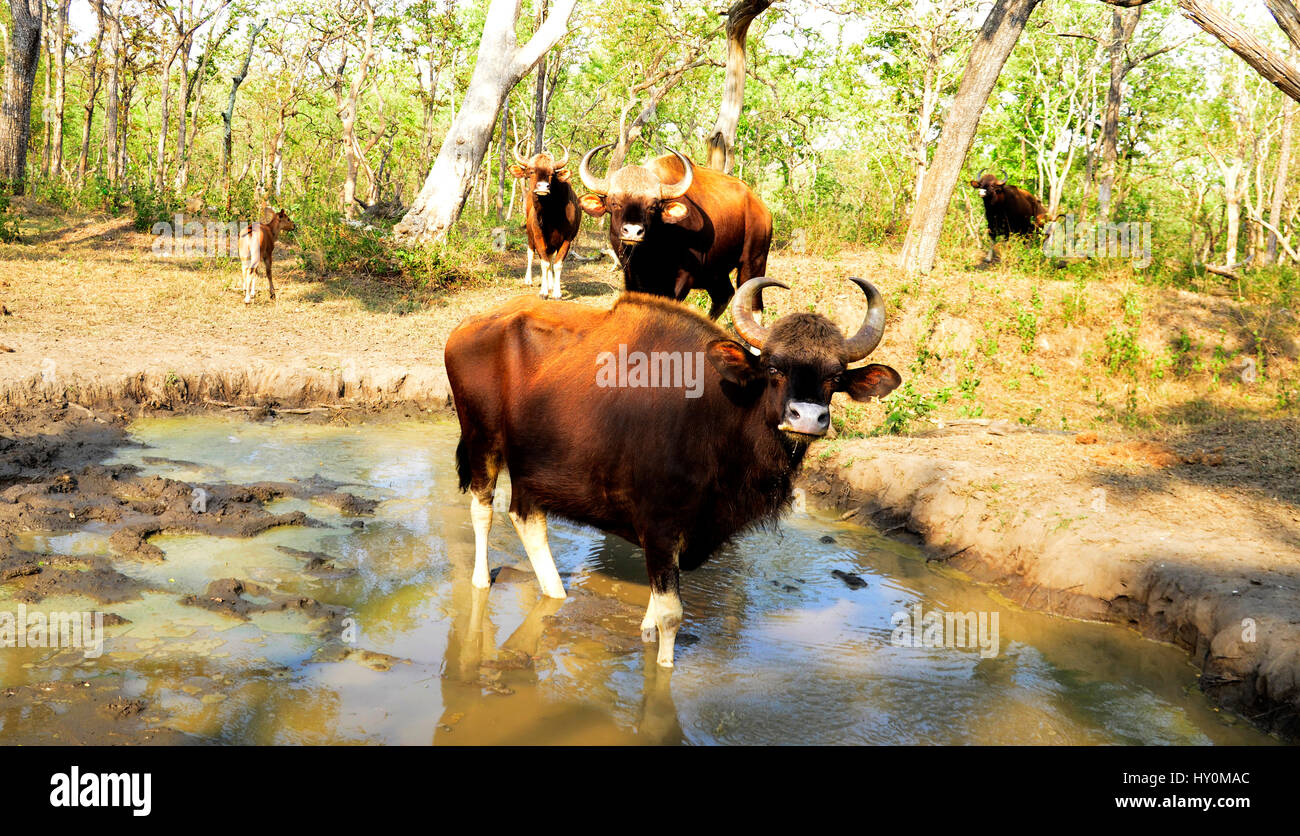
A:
(518, 158)
(560, 163)
(598, 185)
(1002, 176)
(678, 189)
(747, 299)
(873, 326)
(980, 176)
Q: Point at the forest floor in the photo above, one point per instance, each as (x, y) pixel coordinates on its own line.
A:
(1092, 445)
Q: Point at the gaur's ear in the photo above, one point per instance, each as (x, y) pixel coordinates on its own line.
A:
(733, 361)
(874, 381)
(673, 211)
(564, 174)
(517, 171)
(975, 183)
(592, 204)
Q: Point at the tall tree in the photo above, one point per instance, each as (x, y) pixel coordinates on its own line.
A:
(24, 51)
(228, 117)
(500, 64)
(723, 139)
(60, 87)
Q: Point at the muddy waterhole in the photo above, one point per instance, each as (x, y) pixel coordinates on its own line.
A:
(775, 647)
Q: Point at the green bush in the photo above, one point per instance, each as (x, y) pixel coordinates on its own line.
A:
(151, 206)
(906, 406)
(8, 221)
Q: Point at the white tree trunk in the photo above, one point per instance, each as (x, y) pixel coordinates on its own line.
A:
(501, 63)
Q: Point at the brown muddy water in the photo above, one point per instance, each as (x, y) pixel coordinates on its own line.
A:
(775, 648)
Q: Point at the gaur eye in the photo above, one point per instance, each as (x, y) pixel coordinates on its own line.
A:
(773, 371)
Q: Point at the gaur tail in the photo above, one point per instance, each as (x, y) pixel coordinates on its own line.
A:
(462, 464)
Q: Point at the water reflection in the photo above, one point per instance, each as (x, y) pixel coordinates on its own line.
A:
(774, 648)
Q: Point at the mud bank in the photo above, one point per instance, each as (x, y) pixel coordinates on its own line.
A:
(253, 384)
(1138, 541)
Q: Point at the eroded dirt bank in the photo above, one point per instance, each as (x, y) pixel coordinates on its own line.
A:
(1164, 539)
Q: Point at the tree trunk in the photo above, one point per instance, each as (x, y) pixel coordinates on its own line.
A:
(160, 163)
(111, 100)
(16, 109)
(60, 88)
(539, 103)
(723, 141)
(993, 45)
(500, 64)
(92, 81)
(187, 43)
(1280, 177)
(1232, 199)
(348, 114)
(502, 142)
(1248, 47)
(46, 128)
(1123, 24)
(229, 116)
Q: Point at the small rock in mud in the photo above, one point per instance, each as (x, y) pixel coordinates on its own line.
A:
(349, 505)
(372, 659)
(319, 564)
(853, 581)
(227, 596)
(123, 707)
(826, 538)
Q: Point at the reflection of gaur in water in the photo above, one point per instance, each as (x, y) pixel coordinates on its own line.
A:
(679, 476)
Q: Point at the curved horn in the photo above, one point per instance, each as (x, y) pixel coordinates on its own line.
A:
(748, 298)
(560, 163)
(518, 158)
(980, 176)
(678, 189)
(873, 326)
(1002, 176)
(599, 185)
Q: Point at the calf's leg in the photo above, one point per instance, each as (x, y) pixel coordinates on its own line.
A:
(528, 270)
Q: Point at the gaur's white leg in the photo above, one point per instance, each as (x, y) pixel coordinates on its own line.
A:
(532, 531)
(668, 617)
(481, 514)
(649, 630)
(546, 277)
(250, 285)
(528, 271)
(555, 279)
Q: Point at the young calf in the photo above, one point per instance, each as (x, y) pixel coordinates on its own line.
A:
(256, 244)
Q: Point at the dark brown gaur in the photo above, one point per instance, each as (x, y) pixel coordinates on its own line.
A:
(677, 469)
(675, 227)
(1009, 210)
(552, 217)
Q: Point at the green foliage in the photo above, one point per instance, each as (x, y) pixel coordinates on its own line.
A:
(8, 221)
(151, 206)
(906, 406)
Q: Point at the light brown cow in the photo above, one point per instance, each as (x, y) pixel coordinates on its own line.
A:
(256, 244)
